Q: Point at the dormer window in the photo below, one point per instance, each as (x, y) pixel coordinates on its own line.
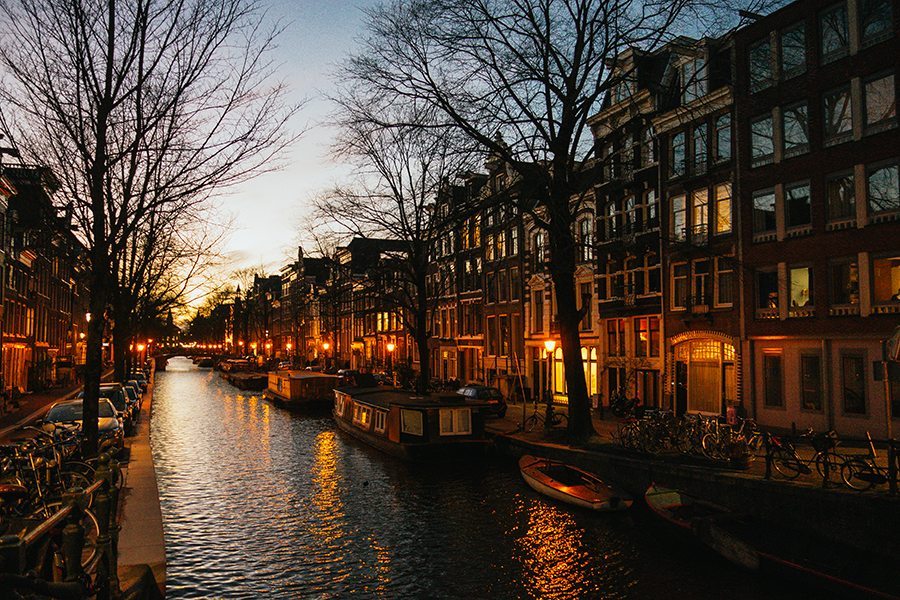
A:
(693, 79)
(624, 88)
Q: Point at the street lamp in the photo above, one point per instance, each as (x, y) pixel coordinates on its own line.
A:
(325, 347)
(390, 348)
(550, 347)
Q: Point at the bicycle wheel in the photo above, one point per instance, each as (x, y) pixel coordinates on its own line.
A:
(91, 531)
(709, 444)
(531, 422)
(834, 465)
(856, 474)
(787, 464)
(560, 421)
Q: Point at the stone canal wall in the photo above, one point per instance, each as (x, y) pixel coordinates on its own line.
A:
(865, 521)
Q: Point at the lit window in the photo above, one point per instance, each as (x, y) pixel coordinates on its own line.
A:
(793, 51)
(699, 215)
(411, 421)
(762, 141)
(760, 57)
(880, 103)
(801, 287)
(840, 197)
(380, 421)
(875, 21)
(886, 280)
(883, 189)
(834, 35)
(796, 202)
(795, 127)
(723, 208)
(763, 212)
(838, 116)
(456, 421)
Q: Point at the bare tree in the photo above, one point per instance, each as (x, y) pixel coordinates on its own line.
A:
(138, 105)
(532, 71)
(400, 173)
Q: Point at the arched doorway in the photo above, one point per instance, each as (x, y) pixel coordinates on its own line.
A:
(705, 376)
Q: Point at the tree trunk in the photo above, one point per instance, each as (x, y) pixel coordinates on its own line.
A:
(93, 368)
(562, 271)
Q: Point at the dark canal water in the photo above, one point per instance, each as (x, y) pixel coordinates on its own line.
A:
(259, 502)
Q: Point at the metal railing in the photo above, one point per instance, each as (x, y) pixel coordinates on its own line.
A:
(65, 532)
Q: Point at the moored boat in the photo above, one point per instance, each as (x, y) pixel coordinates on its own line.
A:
(571, 485)
(412, 427)
(301, 387)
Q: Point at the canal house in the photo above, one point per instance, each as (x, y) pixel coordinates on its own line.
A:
(412, 427)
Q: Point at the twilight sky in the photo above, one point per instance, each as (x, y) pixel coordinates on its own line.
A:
(268, 210)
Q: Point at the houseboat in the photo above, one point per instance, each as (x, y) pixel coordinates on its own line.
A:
(412, 427)
(297, 388)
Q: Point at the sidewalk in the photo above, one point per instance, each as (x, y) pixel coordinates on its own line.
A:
(141, 541)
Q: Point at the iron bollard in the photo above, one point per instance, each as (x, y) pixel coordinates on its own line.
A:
(73, 537)
(893, 459)
(113, 476)
(826, 468)
(101, 510)
(768, 445)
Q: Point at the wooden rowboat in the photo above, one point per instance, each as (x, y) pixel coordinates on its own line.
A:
(571, 485)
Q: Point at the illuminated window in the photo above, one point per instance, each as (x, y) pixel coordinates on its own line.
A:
(723, 208)
(456, 421)
(411, 421)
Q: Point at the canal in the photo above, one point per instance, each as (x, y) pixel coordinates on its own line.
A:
(261, 502)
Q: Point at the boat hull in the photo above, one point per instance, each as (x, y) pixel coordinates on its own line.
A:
(599, 496)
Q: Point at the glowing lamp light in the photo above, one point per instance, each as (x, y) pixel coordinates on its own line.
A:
(150, 341)
(550, 346)
(81, 335)
(268, 345)
(288, 346)
(87, 317)
(141, 347)
(390, 346)
(325, 345)
(253, 345)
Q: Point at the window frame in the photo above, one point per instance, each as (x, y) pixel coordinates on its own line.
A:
(758, 160)
(800, 69)
(768, 401)
(818, 402)
(829, 56)
(837, 137)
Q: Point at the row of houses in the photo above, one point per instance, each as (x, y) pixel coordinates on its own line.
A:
(738, 240)
(44, 301)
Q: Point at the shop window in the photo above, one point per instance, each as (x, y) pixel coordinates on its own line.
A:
(875, 21)
(767, 290)
(853, 384)
(834, 35)
(811, 382)
(880, 103)
(838, 116)
(795, 129)
(883, 189)
(677, 155)
(723, 138)
(762, 141)
(801, 287)
(793, 51)
(680, 274)
(724, 281)
(840, 197)
(760, 58)
(764, 212)
(844, 283)
(886, 280)
(774, 397)
(723, 208)
(796, 202)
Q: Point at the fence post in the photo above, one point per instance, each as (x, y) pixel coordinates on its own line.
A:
(101, 509)
(893, 459)
(73, 537)
(767, 443)
(113, 476)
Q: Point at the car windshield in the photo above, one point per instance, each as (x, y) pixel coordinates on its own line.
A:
(130, 392)
(117, 397)
(73, 412)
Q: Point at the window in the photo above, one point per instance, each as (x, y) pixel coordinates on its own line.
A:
(796, 203)
(772, 380)
(760, 65)
(723, 208)
(503, 285)
(456, 421)
(632, 215)
(677, 156)
(699, 215)
(811, 381)
(537, 311)
(380, 421)
(801, 287)
(539, 251)
(641, 337)
(615, 337)
(763, 212)
(680, 273)
(883, 189)
(362, 415)
(767, 289)
(648, 154)
(834, 36)
(724, 281)
(653, 268)
(679, 217)
(840, 197)
(723, 138)
(699, 140)
(795, 130)
(793, 51)
(875, 21)
(339, 401)
(853, 384)
(693, 79)
(844, 282)
(762, 141)
(880, 103)
(886, 280)
(701, 283)
(515, 284)
(651, 210)
(613, 220)
(512, 242)
(586, 323)
(586, 240)
(838, 116)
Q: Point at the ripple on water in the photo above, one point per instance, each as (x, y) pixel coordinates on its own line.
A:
(259, 502)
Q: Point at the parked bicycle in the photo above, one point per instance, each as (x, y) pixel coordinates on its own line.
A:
(556, 419)
(790, 465)
(863, 472)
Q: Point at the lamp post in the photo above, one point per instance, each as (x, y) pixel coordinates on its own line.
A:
(550, 347)
(390, 348)
(289, 346)
(325, 347)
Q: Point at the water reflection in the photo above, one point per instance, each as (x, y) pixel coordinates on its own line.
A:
(260, 502)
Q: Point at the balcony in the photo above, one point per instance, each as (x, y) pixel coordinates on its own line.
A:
(769, 313)
(886, 309)
(844, 310)
(801, 312)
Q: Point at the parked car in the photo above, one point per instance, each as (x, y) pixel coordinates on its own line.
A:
(491, 395)
(70, 412)
(141, 378)
(115, 393)
(133, 383)
(134, 399)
